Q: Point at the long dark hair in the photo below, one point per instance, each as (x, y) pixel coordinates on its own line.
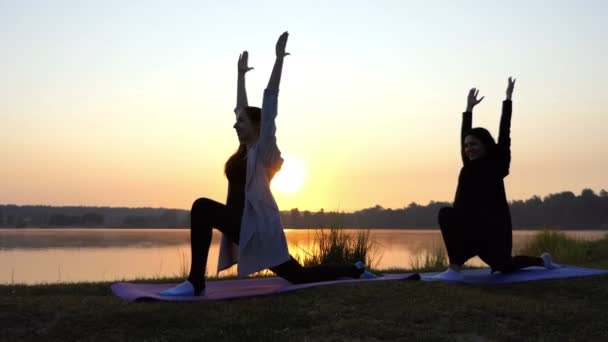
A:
(485, 137)
(255, 116)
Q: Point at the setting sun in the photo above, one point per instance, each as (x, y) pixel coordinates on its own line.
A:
(291, 176)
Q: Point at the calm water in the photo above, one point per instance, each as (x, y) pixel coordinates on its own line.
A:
(71, 255)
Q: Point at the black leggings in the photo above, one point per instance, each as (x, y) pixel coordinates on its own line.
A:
(207, 214)
(464, 241)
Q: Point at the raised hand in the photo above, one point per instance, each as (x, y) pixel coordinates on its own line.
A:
(510, 88)
(242, 64)
(241, 91)
(277, 69)
(281, 43)
(472, 100)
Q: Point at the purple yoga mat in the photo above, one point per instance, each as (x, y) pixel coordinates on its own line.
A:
(482, 276)
(255, 287)
(234, 289)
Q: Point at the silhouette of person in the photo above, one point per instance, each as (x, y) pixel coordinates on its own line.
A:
(252, 233)
(479, 223)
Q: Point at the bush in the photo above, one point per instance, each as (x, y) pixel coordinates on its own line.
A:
(563, 248)
(337, 247)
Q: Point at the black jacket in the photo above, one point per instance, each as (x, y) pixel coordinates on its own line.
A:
(480, 195)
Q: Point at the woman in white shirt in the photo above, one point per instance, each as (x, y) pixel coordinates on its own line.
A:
(252, 233)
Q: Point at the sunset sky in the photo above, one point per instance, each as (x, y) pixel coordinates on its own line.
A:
(129, 103)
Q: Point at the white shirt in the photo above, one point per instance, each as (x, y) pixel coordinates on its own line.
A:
(262, 242)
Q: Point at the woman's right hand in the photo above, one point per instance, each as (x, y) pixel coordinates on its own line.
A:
(242, 64)
(472, 100)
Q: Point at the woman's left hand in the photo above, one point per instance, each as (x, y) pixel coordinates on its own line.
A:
(510, 88)
(242, 65)
(281, 44)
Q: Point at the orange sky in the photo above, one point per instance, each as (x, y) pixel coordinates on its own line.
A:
(110, 105)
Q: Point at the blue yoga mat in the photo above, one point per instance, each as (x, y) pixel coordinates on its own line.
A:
(482, 276)
(234, 289)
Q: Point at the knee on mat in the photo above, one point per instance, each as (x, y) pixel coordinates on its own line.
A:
(295, 280)
(503, 265)
(289, 276)
(503, 268)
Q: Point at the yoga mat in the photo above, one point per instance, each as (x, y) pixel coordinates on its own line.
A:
(255, 287)
(234, 289)
(483, 277)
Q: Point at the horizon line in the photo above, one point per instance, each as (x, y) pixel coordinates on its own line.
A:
(598, 193)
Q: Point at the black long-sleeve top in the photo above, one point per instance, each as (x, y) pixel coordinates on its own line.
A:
(481, 190)
(237, 175)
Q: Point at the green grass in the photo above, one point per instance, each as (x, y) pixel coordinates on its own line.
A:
(565, 249)
(434, 260)
(337, 247)
(557, 310)
(552, 311)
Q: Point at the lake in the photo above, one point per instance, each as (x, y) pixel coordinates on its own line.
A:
(33, 256)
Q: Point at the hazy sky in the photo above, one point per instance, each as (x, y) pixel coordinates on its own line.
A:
(129, 103)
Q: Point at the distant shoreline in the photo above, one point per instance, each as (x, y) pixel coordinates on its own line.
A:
(564, 210)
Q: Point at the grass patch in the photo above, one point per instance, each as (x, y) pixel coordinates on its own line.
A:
(435, 260)
(337, 247)
(557, 310)
(565, 249)
(360, 312)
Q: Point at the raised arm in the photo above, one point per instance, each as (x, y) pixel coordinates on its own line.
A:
(467, 118)
(271, 94)
(504, 133)
(270, 152)
(275, 76)
(241, 90)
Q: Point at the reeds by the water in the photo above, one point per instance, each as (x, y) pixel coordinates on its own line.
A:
(338, 247)
(434, 260)
(565, 249)
(184, 265)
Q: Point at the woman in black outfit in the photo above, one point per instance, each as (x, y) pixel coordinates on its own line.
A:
(252, 233)
(480, 221)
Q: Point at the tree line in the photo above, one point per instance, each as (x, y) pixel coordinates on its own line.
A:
(563, 210)
(14, 216)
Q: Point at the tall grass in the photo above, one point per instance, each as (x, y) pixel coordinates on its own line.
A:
(565, 249)
(184, 265)
(434, 260)
(598, 249)
(337, 247)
